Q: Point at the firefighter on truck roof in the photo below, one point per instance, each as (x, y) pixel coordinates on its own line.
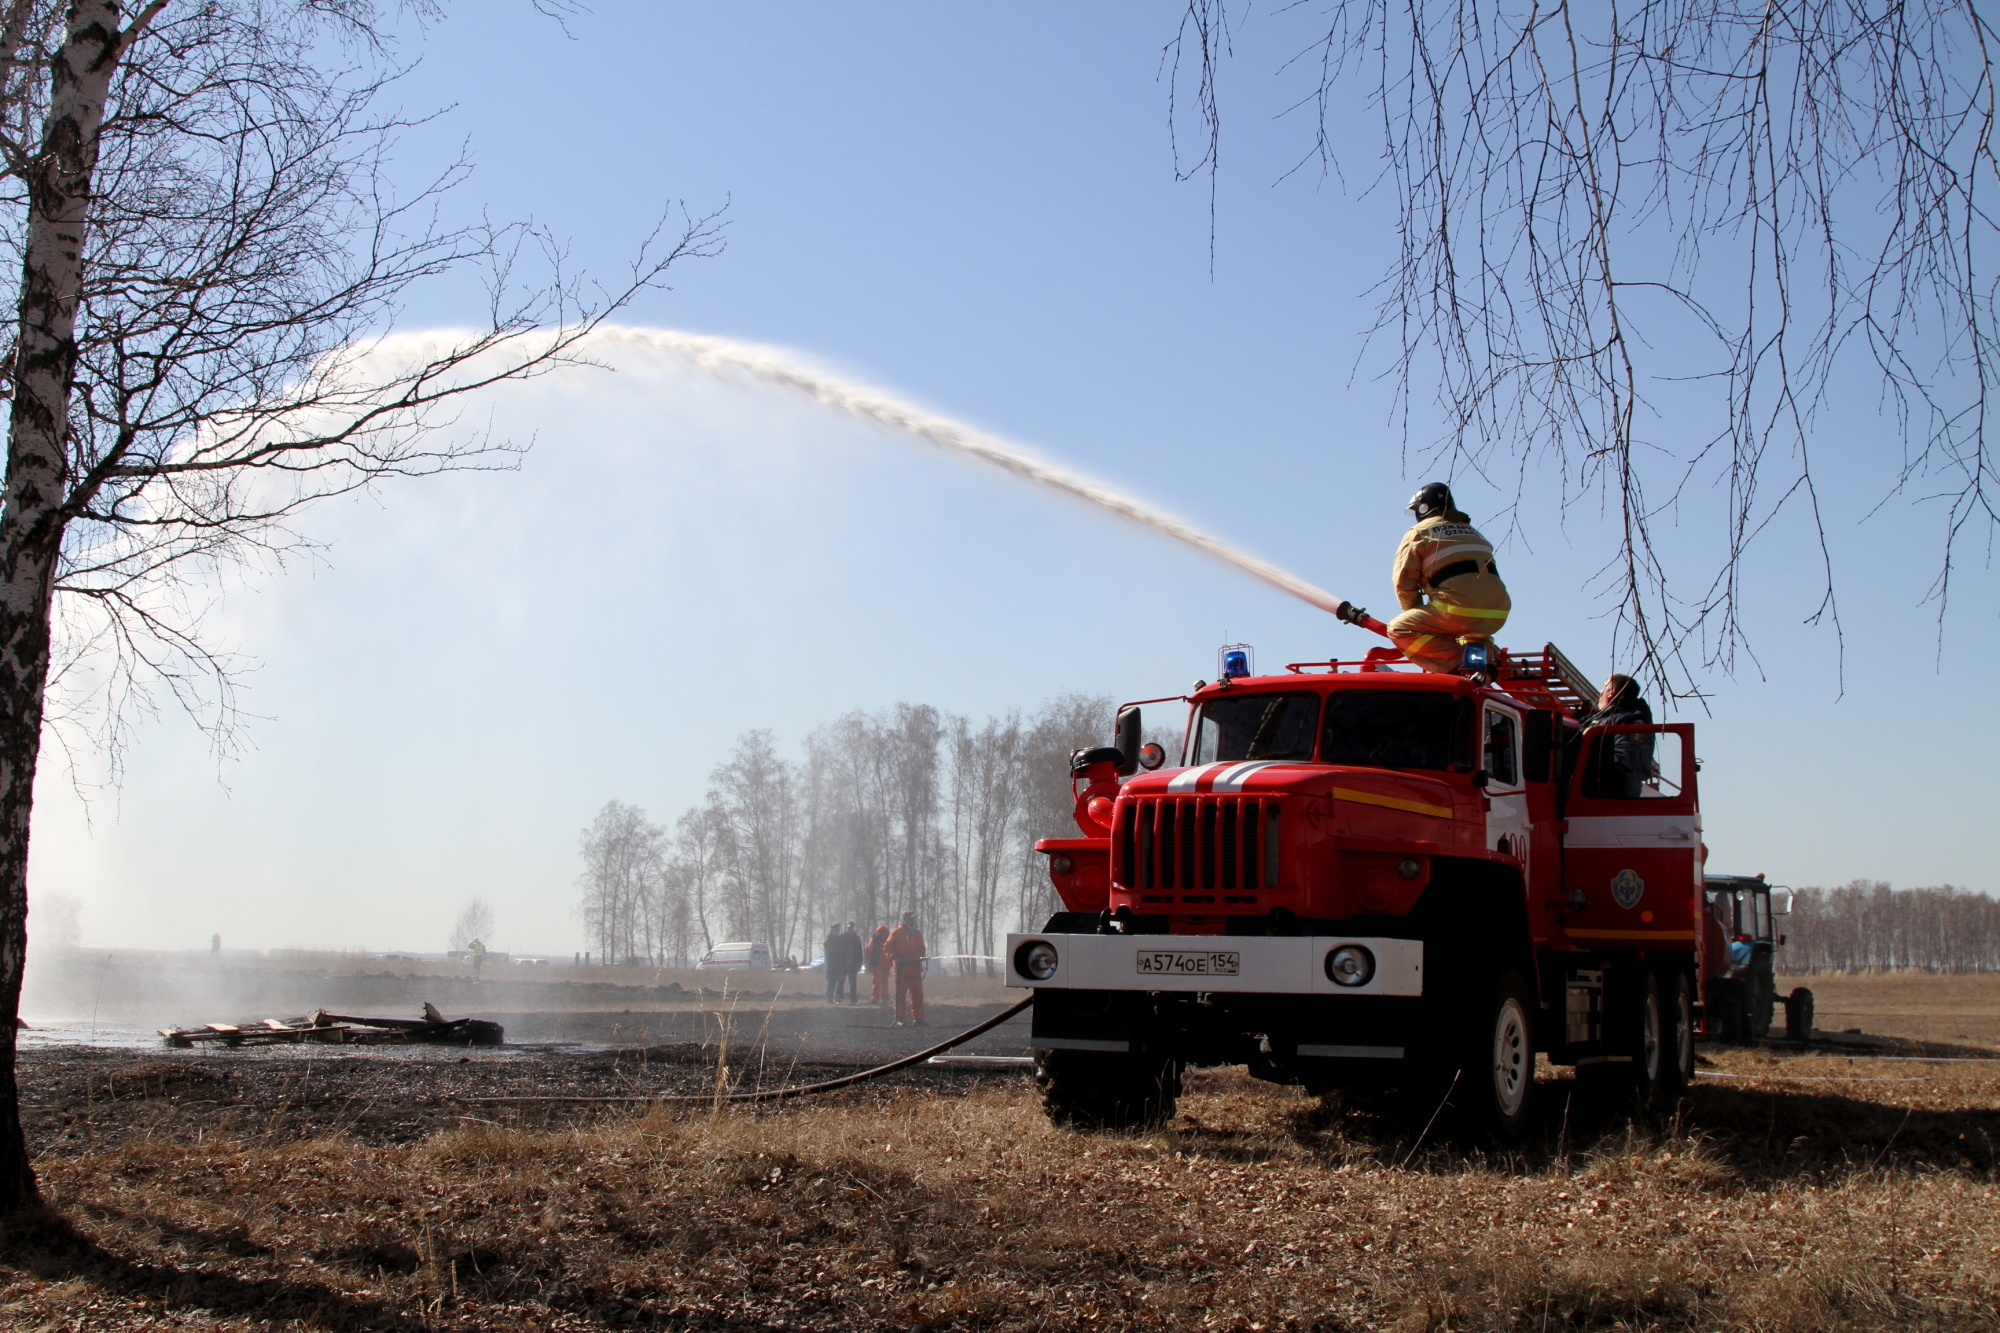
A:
(1447, 582)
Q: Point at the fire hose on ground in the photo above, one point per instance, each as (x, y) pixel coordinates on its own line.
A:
(775, 1094)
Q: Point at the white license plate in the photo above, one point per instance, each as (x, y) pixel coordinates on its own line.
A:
(1166, 963)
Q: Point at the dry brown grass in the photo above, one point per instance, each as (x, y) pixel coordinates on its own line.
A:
(1790, 1195)
(1257, 1209)
(1906, 1004)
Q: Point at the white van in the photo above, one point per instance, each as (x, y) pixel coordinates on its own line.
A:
(746, 956)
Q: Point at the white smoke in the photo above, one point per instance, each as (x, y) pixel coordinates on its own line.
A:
(773, 365)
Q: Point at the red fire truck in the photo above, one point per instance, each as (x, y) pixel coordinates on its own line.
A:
(1363, 873)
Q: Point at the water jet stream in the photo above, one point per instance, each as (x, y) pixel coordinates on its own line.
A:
(719, 356)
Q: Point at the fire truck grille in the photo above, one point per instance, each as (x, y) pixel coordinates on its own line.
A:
(1196, 842)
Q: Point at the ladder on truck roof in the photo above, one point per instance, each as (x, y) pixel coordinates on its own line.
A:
(1547, 680)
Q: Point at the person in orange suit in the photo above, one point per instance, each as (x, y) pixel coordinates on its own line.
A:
(878, 966)
(905, 948)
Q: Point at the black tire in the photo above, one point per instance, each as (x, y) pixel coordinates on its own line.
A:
(1678, 998)
(1799, 1015)
(1493, 1081)
(1763, 1005)
(1641, 1070)
(1725, 1011)
(1652, 1056)
(1088, 1090)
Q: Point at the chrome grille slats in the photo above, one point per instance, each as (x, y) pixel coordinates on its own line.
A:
(1196, 843)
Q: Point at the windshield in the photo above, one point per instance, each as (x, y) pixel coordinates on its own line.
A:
(1256, 726)
(1397, 729)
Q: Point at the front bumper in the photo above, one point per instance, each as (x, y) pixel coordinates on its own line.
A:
(1217, 964)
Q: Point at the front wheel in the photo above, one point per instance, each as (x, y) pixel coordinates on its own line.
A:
(1088, 1090)
(1496, 1077)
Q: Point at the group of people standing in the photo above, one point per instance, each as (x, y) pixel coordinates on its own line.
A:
(894, 959)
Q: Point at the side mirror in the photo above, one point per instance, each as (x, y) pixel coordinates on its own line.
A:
(1151, 756)
(1781, 902)
(1126, 731)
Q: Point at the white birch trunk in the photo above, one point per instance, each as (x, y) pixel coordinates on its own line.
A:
(35, 509)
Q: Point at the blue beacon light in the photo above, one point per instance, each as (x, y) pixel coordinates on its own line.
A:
(1236, 660)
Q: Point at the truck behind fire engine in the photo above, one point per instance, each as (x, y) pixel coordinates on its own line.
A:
(1359, 873)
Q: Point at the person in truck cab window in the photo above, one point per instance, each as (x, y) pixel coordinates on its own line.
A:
(1628, 761)
(1447, 581)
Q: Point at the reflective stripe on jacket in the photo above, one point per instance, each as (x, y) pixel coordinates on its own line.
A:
(1445, 559)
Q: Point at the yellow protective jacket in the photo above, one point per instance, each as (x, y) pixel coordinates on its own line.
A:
(1444, 558)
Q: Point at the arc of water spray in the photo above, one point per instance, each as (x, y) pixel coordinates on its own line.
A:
(719, 356)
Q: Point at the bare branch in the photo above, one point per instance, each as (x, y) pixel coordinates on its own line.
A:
(1616, 220)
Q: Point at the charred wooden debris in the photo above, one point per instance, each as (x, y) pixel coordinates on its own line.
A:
(433, 1029)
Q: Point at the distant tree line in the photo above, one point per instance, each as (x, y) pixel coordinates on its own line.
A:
(909, 809)
(1866, 925)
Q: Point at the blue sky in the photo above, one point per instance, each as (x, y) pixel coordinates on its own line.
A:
(974, 205)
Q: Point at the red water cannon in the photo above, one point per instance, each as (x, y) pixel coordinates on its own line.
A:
(1358, 615)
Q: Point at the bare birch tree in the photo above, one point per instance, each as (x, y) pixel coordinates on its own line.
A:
(907, 809)
(910, 743)
(1651, 248)
(1865, 925)
(475, 922)
(624, 864)
(755, 792)
(988, 784)
(851, 770)
(209, 253)
(700, 850)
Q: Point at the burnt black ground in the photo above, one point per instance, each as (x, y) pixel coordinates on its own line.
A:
(78, 1097)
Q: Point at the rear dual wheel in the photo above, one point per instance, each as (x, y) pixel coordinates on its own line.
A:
(1652, 1039)
(1676, 993)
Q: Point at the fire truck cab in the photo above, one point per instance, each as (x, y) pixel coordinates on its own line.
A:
(1359, 872)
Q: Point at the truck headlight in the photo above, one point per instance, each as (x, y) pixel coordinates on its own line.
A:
(1350, 965)
(1036, 960)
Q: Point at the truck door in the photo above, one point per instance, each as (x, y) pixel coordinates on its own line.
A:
(1632, 840)
(1506, 792)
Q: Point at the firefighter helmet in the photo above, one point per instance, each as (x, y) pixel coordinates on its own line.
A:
(1432, 499)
